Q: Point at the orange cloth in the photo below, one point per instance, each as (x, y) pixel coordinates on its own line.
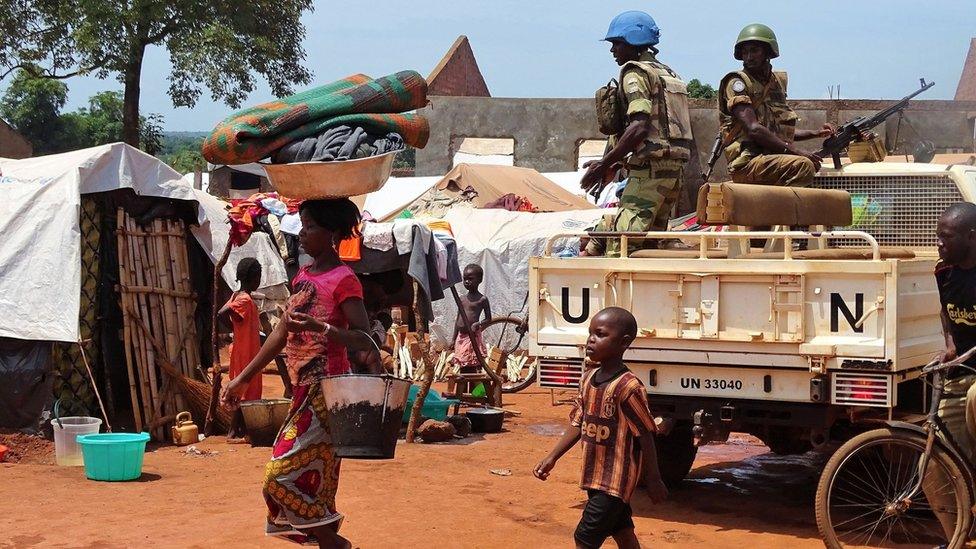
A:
(440, 226)
(247, 340)
(350, 249)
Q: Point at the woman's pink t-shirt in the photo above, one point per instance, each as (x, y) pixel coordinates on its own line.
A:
(311, 355)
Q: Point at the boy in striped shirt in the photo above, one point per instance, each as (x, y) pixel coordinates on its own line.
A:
(612, 419)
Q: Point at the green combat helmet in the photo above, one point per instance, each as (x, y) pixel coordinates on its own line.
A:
(757, 32)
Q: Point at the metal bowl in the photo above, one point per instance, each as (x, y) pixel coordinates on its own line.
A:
(263, 419)
(336, 179)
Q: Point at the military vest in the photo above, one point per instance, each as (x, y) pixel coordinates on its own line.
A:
(671, 126)
(769, 101)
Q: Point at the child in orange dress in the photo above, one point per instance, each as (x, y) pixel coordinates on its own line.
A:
(244, 316)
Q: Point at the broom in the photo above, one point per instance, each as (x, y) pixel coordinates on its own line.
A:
(196, 392)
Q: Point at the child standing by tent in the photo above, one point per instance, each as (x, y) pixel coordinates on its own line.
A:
(612, 418)
(244, 316)
(474, 304)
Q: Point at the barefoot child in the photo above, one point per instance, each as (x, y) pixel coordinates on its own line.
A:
(245, 318)
(474, 304)
(611, 417)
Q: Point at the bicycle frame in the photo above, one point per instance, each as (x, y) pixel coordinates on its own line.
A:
(932, 427)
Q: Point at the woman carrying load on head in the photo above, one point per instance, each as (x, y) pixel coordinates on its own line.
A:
(325, 317)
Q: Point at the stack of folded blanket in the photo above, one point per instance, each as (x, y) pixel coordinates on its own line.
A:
(352, 118)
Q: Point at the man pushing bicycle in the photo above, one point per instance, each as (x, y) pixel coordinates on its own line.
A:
(956, 278)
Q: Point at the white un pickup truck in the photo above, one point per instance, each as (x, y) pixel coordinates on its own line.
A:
(795, 347)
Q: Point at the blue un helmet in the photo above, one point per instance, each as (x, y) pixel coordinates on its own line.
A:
(635, 28)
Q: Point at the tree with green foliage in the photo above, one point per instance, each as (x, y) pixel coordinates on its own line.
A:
(103, 117)
(185, 160)
(103, 123)
(220, 44)
(33, 107)
(698, 90)
(182, 152)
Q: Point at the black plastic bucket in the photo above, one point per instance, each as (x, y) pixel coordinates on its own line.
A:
(364, 413)
(485, 420)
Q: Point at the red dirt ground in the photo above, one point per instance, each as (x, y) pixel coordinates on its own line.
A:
(27, 449)
(429, 496)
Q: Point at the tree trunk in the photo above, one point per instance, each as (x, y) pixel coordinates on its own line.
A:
(130, 102)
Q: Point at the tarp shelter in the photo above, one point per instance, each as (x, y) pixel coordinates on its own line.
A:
(40, 261)
(492, 182)
(397, 194)
(570, 181)
(499, 240)
(42, 213)
(237, 181)
(502, 243)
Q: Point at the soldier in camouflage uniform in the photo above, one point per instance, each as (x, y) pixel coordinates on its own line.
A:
(758, 127)
(655, 140)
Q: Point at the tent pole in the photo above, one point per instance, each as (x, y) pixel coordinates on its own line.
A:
(215, 373)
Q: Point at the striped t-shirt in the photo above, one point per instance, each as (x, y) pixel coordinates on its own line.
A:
(611, 417)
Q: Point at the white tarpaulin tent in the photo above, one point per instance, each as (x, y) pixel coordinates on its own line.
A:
(502, 243)
(569, 181)
(40, 260)
(397, 194)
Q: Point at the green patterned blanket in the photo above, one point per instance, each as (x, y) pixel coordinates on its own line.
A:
(376, 105)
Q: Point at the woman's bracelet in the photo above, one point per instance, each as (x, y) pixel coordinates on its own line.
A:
(326, 328)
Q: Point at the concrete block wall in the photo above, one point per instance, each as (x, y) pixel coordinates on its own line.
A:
(547, 132)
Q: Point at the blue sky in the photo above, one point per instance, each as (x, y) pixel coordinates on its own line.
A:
(547, 48)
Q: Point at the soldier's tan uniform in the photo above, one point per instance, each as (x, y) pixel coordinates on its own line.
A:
(748, 162)
(654, 170)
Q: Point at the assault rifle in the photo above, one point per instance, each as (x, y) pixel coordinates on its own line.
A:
(852, 130)
(713, 158)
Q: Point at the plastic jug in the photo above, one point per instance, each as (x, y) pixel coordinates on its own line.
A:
(185, 431)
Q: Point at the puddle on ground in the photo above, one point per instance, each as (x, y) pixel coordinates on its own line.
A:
(547, 429)
(773, 470)
(718, 482)
(787, 478)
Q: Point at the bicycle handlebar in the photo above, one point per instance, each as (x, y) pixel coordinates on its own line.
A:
(938, 366)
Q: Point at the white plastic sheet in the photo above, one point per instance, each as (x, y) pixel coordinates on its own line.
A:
(502, 243)
(40, 263)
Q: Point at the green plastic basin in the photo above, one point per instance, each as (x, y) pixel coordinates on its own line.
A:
(435, 406)
(113, 456)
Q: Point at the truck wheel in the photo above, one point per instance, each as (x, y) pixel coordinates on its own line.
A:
(676, 453)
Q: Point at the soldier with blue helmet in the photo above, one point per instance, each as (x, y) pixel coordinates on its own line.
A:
(649, 127)
(758, 126)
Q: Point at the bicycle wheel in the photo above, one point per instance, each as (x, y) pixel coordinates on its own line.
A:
(861, 498)
(509, 334)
